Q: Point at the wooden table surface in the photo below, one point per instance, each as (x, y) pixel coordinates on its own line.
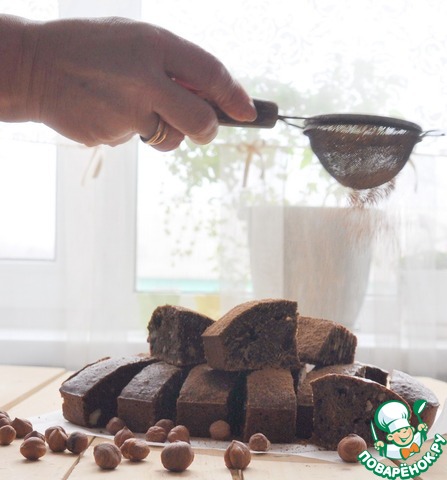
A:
(29, 391)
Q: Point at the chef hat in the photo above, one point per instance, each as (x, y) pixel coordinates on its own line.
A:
(392, 416)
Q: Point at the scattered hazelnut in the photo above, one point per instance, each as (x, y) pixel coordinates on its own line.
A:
(350, 447)
(33, 448)
(22, 427)
(237, 455)
(114, 425)
(165, 423)
(50, 430)
(180, 432)
(156, 434)
(34, 433)
(220, 430)
(77, 442)
(107, 455)
(135, 449)
(4, 421)
(7, 435)
(57, 440)
(177, 456)
(122, 436)
(259, 442)
(4, 413)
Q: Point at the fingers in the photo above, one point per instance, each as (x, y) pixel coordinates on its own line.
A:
(195, 67)
(160, 135)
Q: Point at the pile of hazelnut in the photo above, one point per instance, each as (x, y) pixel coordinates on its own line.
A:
(34, 445)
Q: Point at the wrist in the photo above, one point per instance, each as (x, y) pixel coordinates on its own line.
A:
(18, 40)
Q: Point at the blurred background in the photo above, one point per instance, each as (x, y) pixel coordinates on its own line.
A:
(92, 240)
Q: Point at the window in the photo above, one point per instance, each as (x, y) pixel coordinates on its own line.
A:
(207, 227)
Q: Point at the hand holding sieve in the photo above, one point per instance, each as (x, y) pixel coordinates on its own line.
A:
(359, 151)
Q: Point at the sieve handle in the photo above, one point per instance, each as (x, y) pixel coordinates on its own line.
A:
(267, 116)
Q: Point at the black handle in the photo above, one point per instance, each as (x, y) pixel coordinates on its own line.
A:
(267, 116)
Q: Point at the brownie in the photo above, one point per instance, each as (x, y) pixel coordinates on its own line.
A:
(345, 404)
(254, 335)
(323, 342)
(89, 395)
(270, 405)
(411, 390)
(150, 396)
(209, 395)
(304, 397)
(175, 335)
(377, 374)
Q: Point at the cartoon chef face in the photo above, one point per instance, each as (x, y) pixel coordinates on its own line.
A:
(392, 417)
(402, 437)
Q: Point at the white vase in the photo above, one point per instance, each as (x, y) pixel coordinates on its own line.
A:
(318, 256)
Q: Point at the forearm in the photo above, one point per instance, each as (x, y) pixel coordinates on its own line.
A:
(16, 54)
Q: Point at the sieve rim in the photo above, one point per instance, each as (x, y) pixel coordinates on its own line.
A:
(360, 119)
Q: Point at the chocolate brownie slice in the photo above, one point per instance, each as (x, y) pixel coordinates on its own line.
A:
(254, 335)
(150, 396)
(175, 335)
(209, 395)
(270, 405)
(346, 404)
(89, 395)
(411, 390)
(304, 397)
(323, 342)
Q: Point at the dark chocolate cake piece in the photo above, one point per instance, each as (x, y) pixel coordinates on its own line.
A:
(377, 374)
(323, 342)
(254, 335)
(411, 390)
(175, 335)
(270, 405)
(346, 404)
(150, 396)
(89, 395)
(207, 396)
(304, 397)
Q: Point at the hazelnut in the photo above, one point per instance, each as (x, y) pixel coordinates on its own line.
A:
(156, 434)
(4, 421)
(350, 447)
(259, 442)
(57, 440)
(22, 427)
(135, 449)
(34, 433)
(114, 425)
(7, 435)
(180, 432)
(77, 442)
(237, 455)
(177, 456)
(220, 430)
(165, 423)
(50, 430)
(122, 436)
(4, 413)
(33, 448)
(107, 455)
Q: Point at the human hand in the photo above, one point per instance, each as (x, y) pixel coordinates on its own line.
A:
(101, 81)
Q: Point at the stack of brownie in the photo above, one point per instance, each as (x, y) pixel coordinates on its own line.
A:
(261, 367)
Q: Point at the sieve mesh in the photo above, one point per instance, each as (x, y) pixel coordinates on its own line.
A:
(362, 151)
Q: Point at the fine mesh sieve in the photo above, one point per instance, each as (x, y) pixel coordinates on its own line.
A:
(359, 151)
(362, 151)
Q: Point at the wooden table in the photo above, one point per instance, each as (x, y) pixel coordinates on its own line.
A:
(29, 391)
